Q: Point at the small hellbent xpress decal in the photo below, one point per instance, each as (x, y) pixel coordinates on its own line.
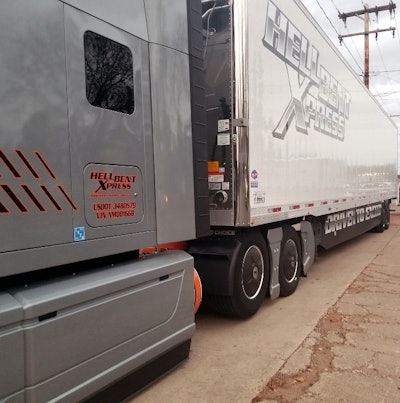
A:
(113, 194)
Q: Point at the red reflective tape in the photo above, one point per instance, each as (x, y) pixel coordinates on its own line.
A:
(276, 209)
(51, 198)
(3, 209)
(14, 198)
(67, 197)
(324, 202)
(27, 164)
(295, 207)
(9, 164)
(34, 199)
(310, 205)
(46, 166)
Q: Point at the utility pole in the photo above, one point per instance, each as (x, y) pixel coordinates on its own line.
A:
(366, 47)
(366, 12)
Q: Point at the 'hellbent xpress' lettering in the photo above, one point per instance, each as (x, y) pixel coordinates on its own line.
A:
(318, 100)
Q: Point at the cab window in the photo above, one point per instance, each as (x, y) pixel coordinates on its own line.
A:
(109, 73)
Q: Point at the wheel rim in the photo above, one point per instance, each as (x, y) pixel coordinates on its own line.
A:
(252, 272)
(291, 262)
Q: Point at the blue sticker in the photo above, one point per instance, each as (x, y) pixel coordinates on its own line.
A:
(79, 234)
(254, 174)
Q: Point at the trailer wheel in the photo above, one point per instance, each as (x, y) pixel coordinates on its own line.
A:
(387, 215)
(289, 262)
(385, 219)
(251, 273)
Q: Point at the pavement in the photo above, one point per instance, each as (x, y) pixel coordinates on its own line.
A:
(353, 354)
(337, 339)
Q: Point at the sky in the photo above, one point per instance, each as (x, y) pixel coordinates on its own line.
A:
(384, 63)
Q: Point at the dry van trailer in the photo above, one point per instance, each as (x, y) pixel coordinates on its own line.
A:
(300, 154)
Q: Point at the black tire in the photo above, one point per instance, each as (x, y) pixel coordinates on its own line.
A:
(251, 274)
(289, 262)
(387, 214)
(385, 219)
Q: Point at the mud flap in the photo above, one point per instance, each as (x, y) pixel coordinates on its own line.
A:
(274, 236)
(308, 243)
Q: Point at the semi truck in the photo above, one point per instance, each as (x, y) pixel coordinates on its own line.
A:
(96, 161)
(233, 126)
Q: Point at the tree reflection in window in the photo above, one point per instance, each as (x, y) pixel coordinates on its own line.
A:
(109, 74)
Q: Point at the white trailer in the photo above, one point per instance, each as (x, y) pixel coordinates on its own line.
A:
(301, 154)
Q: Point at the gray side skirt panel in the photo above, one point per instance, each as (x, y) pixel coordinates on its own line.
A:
(85, 331)
(274, 239)
(308, 243)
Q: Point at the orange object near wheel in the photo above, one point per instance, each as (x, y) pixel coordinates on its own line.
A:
(161, 248)
(197, 291)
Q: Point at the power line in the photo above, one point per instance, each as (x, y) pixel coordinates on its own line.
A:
(347, 29)
(385, 71)
(379, 95)
(357, 51)
(397, 27)
(387, 74)
(334, 5)
(383, 62)
(376, 93)
(355, 61)
(366, 11)
(352, 40)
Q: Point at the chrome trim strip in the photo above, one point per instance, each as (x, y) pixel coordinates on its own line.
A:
(241, 111)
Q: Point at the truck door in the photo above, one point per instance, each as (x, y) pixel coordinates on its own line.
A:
(109, 124)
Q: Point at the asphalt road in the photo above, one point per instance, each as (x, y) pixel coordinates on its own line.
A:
(232, 360)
